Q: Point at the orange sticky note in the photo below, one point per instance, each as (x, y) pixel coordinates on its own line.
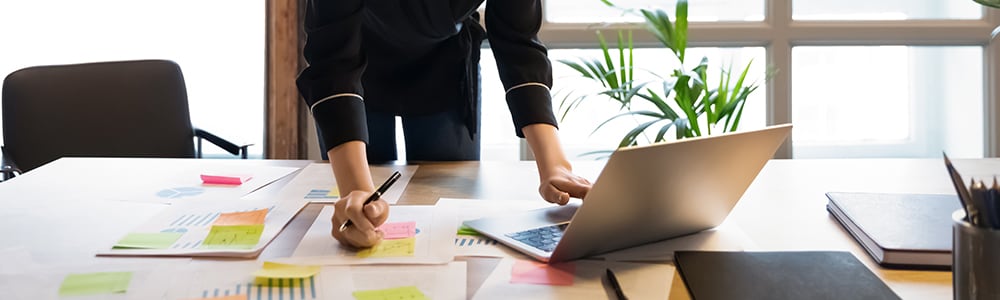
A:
(399, 230)
(533, 272)
(253, 217)
(233, 297)
(224, 179)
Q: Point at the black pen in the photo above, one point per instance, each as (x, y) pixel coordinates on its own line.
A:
(614, 285)
(378, 193)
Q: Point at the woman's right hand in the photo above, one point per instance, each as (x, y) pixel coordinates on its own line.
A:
(365, 218)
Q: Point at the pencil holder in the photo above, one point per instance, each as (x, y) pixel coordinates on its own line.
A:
(975, 260)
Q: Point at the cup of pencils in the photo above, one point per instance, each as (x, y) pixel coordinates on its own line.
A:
(975, 256)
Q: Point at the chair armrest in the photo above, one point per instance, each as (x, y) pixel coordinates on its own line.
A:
(230, 147)
(7, 167)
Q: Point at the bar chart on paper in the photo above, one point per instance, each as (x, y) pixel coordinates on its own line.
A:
(272, 289)
(472, 241)
(194, 221)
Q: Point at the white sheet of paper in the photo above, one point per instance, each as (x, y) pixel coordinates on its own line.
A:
(638, 281)
(436, 228)
(195, 221)
(315, 181)
(470, 209)
(434, 281)
(725, 237)
(148, 281)
(236, 278)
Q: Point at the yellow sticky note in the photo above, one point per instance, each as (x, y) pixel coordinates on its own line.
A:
(406, 292)
(390, 248)
(279, 270)
(253, 217)
(334, 192)
(233, 237)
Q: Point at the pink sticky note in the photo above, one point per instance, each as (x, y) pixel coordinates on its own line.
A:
(533, 272)
(399, 230)
(225, 179)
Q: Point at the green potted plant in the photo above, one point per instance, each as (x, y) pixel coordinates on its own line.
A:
(685, 101)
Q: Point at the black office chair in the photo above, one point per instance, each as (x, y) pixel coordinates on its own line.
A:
(106, 109)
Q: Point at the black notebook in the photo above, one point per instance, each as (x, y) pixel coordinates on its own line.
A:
(911, 231)
(778, 275)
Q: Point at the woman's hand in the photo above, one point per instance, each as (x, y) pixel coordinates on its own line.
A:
(365, 218)
(559, 183)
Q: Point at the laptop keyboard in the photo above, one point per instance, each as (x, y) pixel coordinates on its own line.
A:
(544, 238)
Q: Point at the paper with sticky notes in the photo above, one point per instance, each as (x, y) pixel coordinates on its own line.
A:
(434, 229)
(638, 280)
(233, 237)
(316, 183)
(398, 230)
(405, 292)
(533, 272)
(280, 270)
(390, 248)
(95, 283)
(148, 240)
(252, 217)
(225, 179)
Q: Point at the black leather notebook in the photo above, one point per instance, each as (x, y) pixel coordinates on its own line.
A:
(910, 231)
(778, 275)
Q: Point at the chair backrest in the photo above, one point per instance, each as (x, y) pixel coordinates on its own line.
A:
(108, 109)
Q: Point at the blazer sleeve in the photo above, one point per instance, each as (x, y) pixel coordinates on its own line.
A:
(331, 83)
(512, 28)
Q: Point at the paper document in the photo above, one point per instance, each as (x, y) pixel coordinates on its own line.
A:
(432, 243)
(638, 280)
(316, 183)
(436, 282)
(221, 228)
(470, 209)
(102, 281)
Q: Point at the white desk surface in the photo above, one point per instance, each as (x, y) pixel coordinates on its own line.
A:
(784, 209)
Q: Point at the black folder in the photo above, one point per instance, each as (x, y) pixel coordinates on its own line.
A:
(910, 231)
(778, 275)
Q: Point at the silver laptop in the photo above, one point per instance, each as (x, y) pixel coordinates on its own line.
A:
(644, 194)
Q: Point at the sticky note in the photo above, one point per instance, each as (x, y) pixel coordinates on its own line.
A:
(334, 193)
(148, 240)
(398, 230)
(406, 292)
(95, 283)
(533, 272)
(390, 248)
(233, 297)
(242, 218)
(279, 270)
(466, 230)
(233, 237)
(224, 179)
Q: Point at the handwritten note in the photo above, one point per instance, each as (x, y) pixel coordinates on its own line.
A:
(95, 283)
(233, 237)
(242, 218)
(151, 240)
(334, 193)
(400, 293)
(225, 179)
(279, 270)
(533, 272)
(399, 230)
(390, 248)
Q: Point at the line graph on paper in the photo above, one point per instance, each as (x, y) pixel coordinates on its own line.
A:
(272, 289)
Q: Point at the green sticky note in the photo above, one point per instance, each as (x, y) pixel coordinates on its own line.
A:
(153, 240)
(233, 237)
(466, 230)
(95, 283)
(406, 292)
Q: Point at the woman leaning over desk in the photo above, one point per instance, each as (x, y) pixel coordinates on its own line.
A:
(372, 60)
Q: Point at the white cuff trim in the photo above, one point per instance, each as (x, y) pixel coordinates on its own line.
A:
(335, 96)
(528, 84)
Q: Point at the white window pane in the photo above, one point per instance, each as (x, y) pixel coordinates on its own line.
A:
(593, 11)
(885, 9)
(887, 101)
(219, 45)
